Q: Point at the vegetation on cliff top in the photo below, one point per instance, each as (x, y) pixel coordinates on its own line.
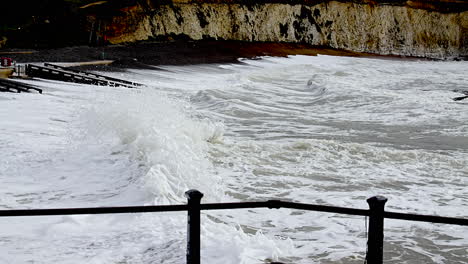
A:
(46, 23)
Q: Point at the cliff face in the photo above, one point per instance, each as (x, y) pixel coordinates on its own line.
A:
(437, 29)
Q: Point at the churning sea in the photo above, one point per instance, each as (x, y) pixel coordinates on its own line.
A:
(312, 129)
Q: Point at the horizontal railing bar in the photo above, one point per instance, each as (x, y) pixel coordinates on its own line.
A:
(427, 218)
(94, 210)
(225, 206)
(280, 204)
(324, 208)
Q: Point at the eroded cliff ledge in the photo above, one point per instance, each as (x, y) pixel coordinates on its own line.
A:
(435, 29)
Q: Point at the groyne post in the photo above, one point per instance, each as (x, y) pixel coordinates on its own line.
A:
(376, 230)
(193, 226)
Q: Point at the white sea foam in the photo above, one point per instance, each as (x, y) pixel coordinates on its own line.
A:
(162, 136)
(325, 130)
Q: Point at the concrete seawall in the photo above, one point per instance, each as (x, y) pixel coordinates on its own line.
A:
(434, 29)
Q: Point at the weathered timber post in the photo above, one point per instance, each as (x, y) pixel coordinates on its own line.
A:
(376, 230)
(193, 226)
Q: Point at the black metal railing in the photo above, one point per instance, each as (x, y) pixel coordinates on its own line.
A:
(376, 214)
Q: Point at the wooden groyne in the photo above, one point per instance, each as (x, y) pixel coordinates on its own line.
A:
(59, 73)
(110, 79)
(7, 85)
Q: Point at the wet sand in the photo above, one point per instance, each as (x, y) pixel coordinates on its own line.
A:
(144, 54)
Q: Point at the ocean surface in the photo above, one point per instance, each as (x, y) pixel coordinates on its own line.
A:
(323, 130)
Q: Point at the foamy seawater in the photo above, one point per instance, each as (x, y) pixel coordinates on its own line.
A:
(323, 130)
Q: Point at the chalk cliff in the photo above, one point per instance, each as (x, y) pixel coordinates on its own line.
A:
(432, 28)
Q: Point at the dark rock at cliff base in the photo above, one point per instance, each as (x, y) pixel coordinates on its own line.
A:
(147, 55)
(174, 53)
(67, 54)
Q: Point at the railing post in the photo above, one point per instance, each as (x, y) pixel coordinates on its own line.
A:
(193, 226)
(376, 230)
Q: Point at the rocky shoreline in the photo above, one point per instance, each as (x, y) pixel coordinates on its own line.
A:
(151, 53)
